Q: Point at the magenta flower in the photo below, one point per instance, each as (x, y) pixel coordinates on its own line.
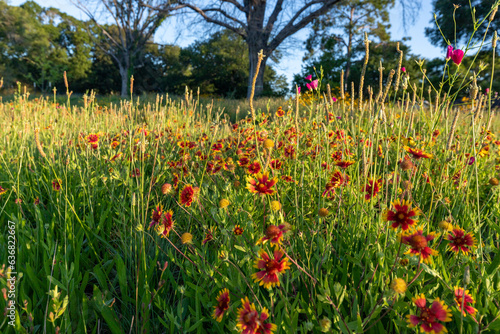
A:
(403, 69)
(312, 85)
(298, 90)
(449, 52)
(334, 99)
(457, 56)
(471, 161)
(309, 77)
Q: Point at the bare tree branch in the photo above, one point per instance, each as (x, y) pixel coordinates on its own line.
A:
(136, 21)
(292, 28)
(209, 19)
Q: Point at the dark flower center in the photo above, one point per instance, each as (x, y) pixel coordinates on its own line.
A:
(272, 267)
(418, 242)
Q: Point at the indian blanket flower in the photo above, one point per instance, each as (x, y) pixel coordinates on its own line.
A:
(401, 215)
(156, 215)
(276, 164)
(280, 112)
(270, 268)
(251, 322)
(56, 185)
(165, 224)
(93, 138)
(419, 245)
(2, 190)
(465, 299)
(371, 188)
(417, 154)
(222, 304)
(461, 241)
(429, 318)
(261, 184)
(237, 230)
(188, 194)
(254, 168)
(208, 237)
(274, 234)
(344, 163)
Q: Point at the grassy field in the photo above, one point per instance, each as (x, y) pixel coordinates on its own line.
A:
(305, 216)
(337, 214)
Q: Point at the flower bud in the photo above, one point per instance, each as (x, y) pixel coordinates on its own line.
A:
(325, 324)
(466, 275)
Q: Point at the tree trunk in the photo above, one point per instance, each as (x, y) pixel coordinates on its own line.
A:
(349, 47)
(124, 76)
(253, 53)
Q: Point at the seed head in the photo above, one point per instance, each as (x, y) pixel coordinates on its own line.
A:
(187, 238)
(268, 143)
(223, 203)
(398, 286)
(323, 212)
(406, 164)
(445, 225)
(166, 189)
(275, 205)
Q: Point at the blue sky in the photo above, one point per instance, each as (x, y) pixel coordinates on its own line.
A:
(291, 61)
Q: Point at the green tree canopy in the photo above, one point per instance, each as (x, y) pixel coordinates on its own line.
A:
(219, 66)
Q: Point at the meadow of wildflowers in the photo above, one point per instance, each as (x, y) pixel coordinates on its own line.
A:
(332, 213)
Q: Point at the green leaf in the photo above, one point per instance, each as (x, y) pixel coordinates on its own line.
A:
(494, 265)
(107, 313)
(122, 276)
(240, 248)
